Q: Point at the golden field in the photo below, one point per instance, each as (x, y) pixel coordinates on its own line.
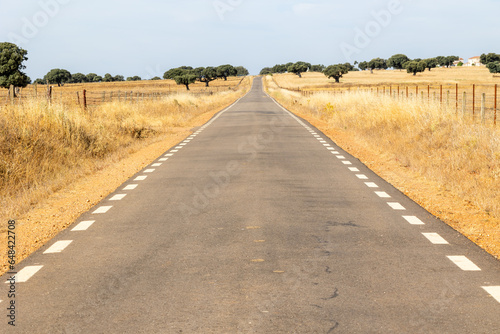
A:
(448, 163)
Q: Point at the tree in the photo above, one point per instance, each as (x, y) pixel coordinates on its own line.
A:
(431, 63)
(266, 71)
(175, 72)
(11, 66)
(397, 61)
(134, 78)
(224, 71)
(58, 76)
(205, 74)
(494, 66)
(155, 78)
(118, 78)
(241, 71)
(336, 71)
(363, 65)
(446, 61)
(318, 68)
(298, 68)
(91, 77)
(279, 68)
(185, 79)
(78, 78)
(416, 67)
(377, 64)
(489, 58)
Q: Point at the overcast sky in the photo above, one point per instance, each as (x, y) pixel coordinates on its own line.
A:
(148, 37)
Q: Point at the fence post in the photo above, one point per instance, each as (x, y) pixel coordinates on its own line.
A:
(483, 108)
(78, 97)
(85, 99)
(422, 93)
(103, 97)
(464, 104)
(49, 94)
(441, 94)
(456, 98)
(428, 93)
(447, 99)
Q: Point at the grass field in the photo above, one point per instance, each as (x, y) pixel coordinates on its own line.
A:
(425, 141)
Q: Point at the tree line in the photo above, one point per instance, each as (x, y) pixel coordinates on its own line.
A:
(187, 75)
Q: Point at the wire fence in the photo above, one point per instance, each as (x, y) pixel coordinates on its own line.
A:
(478, 101)
(93, 97)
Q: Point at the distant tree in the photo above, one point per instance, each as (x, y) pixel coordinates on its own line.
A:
(377, 64)
(279, 68)
(494, 66)
(155, 78)
(11, 66)
(185, 79)
(363, 65)
(348, 66)
(91, 76)
(336, 71)
(39, 82)
(397, 61)
(266, 71)
(134, 78)
(241, 71)
(416, 67)
(225, 71)
(298, 68)
(489, 58)
(97, 78)
(318, 68)
(175, 72)
(205, 74)
(460, 64)
(108, 78)
(446, 61)
(118, 78)
(58, 76)
(78, 78)
(431, 63)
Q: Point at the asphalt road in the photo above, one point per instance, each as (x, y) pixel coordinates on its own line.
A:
(256, 224)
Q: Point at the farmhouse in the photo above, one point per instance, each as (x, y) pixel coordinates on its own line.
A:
(474, 61)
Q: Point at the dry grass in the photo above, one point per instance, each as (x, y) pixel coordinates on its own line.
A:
(44, 147)
(426, 139)
(438, 76)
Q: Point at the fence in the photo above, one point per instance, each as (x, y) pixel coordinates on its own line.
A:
(478, 101)
(91, 97)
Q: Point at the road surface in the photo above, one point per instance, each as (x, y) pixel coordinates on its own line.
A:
(257, 223)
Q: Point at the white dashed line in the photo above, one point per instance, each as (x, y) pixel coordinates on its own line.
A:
(494, 291)
(353, 169)
(156, 164)
(327, 145)
(435, 238)
(174, 151)
(317, 136)
(118, 197)
(102, 209)
(149, 171)
(168, 154)
(382, 194)
(330, 148)
(413, 220)
(371, 185)
(26, 273)
(182, 144)
(163, 159)
(178, 147)
(58, 247)
(396, 206)
(83, 226)
(130, 187)
(464, 263)
(340, 157)
(362, 176)
(141, 178)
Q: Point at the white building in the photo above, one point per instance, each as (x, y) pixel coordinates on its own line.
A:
(474, 61)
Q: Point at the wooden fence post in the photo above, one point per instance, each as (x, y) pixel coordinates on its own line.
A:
(473, 100)
(85, 99)
(78, 97)
(456, 98)
(495, 116)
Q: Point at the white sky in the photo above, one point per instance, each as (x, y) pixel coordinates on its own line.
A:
(148, 37)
